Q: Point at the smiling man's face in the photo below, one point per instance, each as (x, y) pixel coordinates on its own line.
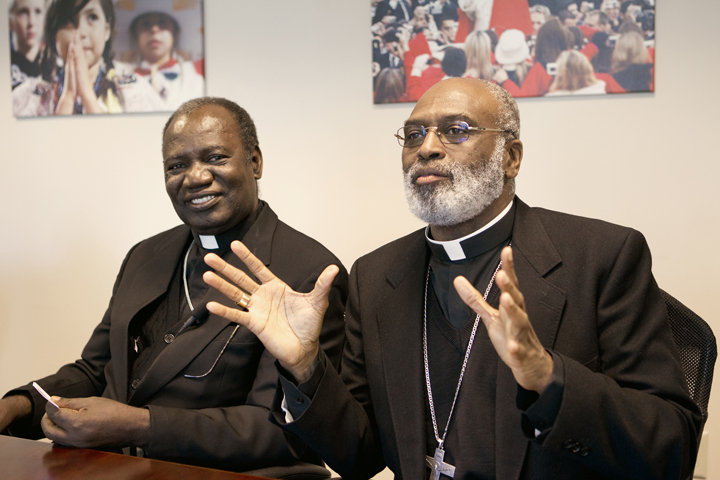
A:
(209, 177)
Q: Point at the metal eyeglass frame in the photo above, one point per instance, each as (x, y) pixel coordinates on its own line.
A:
(441, 136)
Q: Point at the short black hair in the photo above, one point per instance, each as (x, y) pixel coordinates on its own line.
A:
(136, 20)
(454, 63)
(245, 124)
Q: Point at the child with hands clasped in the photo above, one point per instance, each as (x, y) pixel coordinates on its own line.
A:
(77, 70)
(81, 44)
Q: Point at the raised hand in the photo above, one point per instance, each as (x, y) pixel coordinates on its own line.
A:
(286, 322)
(96, 422)
(510, 329)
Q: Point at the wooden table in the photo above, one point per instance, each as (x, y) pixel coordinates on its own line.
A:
(22, 459)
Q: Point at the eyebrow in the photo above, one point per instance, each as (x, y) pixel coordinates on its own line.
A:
(202, 152)
(90, 9)
(447, 118)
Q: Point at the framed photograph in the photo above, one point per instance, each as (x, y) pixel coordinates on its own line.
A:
(104, 56)
(532, 48)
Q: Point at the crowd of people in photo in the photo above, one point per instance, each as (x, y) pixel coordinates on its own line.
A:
(531, 48)
(62, 59)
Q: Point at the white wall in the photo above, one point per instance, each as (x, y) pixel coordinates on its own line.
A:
(79, 192)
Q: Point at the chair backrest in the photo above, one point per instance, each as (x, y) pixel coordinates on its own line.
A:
(698, 349)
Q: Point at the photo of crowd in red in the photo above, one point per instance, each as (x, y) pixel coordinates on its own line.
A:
(532, 48)
(104, 56)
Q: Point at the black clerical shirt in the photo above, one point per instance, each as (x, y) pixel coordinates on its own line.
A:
(155, 327)
(449, 327)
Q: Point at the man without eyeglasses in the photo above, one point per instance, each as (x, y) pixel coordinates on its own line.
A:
(572, 374)
(159, 373)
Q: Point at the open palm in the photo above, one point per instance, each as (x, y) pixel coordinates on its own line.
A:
(288, 323)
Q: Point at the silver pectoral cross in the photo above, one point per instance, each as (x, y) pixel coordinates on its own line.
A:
(438, 466)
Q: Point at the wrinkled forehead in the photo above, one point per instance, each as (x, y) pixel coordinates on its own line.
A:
(201, 123)
(455, 100)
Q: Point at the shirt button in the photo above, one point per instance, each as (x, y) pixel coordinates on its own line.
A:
(299, 400)
(135, 383)
(542, 424)
(169, 338)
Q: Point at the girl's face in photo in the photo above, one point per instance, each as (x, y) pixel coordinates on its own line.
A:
(93, 32)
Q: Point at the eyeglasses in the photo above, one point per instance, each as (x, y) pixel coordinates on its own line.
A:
(448, 133)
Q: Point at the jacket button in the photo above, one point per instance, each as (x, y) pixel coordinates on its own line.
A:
(169, 338)
(135, 383)
(568, 444)
(575, 448)
(584, 451)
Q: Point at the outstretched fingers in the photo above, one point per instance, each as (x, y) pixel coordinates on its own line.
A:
(324, 282)
(507, 279)
(474, 299)
(235, 275)
(257, 267)
(233, 314)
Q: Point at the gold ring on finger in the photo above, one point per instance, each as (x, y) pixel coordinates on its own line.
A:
(244, 300)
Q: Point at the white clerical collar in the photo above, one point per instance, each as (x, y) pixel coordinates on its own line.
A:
(209, 242)
(453, 248)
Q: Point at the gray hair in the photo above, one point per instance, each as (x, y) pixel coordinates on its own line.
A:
(508, 111)
(541, 9)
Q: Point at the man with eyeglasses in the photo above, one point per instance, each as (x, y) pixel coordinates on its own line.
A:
(159, 373)
(571, 374)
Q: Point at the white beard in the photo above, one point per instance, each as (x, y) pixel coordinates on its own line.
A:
(464, 195)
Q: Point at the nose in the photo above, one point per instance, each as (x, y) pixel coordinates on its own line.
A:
(82, 28)
(432, 148)
(198, 175)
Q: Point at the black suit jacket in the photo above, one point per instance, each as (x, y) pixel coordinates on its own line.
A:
(219, 420)
(592, 300)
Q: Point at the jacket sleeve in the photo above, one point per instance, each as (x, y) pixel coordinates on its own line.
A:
(83, 378)
(628, 414)
(241, 437)
(339, 424)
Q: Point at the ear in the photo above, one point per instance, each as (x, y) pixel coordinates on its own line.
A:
(257, 163)
(513, 158)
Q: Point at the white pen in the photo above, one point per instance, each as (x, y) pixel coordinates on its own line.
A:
(44, 394)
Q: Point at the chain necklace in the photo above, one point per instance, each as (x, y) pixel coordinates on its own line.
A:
(185, 282)
(437, 463)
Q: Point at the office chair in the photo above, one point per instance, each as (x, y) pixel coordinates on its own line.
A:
(696, 343)
(698, 350)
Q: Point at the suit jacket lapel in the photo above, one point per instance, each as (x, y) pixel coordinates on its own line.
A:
(149, 281)
(535, 256)
(189, 344)
(400, 327)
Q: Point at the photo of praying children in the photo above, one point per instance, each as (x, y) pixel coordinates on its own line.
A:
(105, 56)
(532, 48)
